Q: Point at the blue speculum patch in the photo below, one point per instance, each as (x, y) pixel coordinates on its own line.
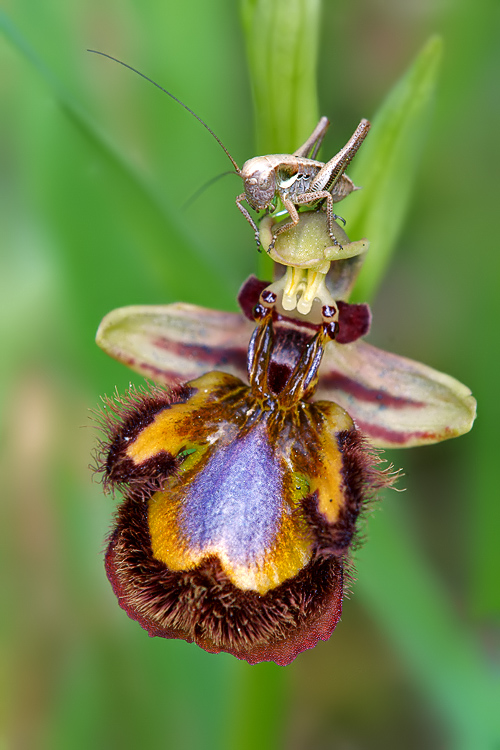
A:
(235, 502)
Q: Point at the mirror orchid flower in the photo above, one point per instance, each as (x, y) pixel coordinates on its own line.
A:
(245, 477)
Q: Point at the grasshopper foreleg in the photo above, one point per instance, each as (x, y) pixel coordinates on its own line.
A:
(247, 216)
(322, 195)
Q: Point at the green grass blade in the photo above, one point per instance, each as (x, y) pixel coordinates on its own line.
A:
(387, 164)
(413, 609)
(164, 227)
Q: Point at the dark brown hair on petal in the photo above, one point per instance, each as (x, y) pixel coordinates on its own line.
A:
(203, 606)
(361, 480)
(121, 419)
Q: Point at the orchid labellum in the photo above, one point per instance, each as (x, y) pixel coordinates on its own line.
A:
(245, 469)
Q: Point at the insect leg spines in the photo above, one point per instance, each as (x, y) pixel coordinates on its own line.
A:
(323, 195)
(294, 218)
(243, 197)
(333, 169)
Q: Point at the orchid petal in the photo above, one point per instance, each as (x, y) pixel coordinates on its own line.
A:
(175, 343)
(395, 401)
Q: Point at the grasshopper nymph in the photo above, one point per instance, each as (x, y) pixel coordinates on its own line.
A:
(296, 179)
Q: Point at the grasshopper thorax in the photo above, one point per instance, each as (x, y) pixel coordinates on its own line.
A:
(259, 180)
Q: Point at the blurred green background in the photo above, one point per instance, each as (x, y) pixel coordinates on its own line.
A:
(95, 166)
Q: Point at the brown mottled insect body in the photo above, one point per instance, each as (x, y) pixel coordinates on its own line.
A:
(298, 180)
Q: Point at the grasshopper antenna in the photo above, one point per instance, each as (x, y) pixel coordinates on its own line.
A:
(202, 189)
(125, 65)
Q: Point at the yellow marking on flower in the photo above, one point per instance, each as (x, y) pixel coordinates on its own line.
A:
(328, 479)
(286, 557)
(173, 426)
(307, 251)
(163, 434)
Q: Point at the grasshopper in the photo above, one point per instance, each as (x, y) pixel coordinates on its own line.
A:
(298, 181)
(294, 179)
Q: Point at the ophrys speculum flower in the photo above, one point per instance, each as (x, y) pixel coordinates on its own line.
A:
(241, 500)
(240, 506)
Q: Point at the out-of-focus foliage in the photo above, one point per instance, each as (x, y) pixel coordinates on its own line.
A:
(94, 171)
(387, 166)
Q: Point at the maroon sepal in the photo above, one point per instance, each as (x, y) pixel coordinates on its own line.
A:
(354, 322)
(249, 294)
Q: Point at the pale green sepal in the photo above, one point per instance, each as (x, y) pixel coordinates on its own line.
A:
(175, 343)
(397, 402)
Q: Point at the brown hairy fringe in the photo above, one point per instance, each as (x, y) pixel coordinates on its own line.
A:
(121, 418)
(203, 606)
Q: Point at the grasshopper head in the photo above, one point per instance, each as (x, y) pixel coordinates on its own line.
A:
(259, 180)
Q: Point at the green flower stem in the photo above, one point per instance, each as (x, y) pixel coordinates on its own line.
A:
(257, 710)
(282, 39)
(282, 50)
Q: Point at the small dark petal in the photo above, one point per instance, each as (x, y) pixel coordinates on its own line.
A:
(354, 319)
(354, 322)
(249, 295)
